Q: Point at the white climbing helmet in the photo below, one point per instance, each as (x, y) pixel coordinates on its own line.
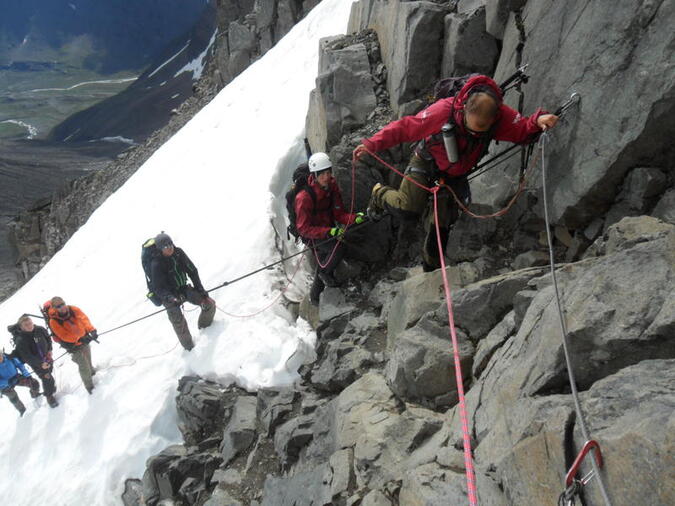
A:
(319, 162)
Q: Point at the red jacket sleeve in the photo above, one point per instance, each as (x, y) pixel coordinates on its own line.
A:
(303, 218)
(412, 128)
(516, 128)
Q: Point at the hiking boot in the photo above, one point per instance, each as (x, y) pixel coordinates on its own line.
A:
(375, 210)
(51, 400)
(315, 291)
(328, 279)
(374, 214)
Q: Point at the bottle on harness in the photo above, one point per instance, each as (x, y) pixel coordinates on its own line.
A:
(450, 142)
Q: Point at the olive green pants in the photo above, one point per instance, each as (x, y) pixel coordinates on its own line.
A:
(81, 355)
(410, 202)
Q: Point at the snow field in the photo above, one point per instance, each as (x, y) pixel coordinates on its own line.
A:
(209, 188)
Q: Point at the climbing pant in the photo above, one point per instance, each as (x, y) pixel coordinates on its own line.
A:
(410, 202)
(81, 355)
(208, 311)
(47, 378)
(13, 397)
(322, 274)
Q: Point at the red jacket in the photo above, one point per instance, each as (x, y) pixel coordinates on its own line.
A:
(315, 223)
(510, 126)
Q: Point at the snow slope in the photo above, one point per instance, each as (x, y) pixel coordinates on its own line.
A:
(209, 188)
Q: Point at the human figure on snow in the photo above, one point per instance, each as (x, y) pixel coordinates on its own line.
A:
(13, 373)
(321, 218)
(478, 115)
(170, 268)
(34, 347)
(73, 331)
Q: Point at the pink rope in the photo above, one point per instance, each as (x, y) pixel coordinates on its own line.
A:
(468, 457)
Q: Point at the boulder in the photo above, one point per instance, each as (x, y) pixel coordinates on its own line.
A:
(468, 47)
(422, 293)
(341, 364)
(493, 341)
(584, 177)
(634, 230)
(413, 61)
(641, 185)
(242, 43)
(200, 405)
(665, 208)
(479, 306)
(240, 431)
(497, 14)
(344, 96)
(420, 366)
(631, 414)
(273, 407)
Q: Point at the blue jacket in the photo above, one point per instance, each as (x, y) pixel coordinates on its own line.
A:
(9, 369)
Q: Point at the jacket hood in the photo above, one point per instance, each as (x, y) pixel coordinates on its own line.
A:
(474, 84)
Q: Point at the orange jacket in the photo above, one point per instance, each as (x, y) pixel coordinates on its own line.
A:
(71, 328)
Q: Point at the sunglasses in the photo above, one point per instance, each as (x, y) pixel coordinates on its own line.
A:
(60, 306)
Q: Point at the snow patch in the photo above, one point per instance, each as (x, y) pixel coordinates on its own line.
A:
(86, 83)
(170, 59)
(32, 131)
(117, 138)
(196, 66)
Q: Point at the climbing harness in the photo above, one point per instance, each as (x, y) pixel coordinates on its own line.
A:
(572, 486)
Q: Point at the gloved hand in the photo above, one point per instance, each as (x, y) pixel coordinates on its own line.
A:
(360, 218)
(86, 339)
(336, 232)
(94, 335)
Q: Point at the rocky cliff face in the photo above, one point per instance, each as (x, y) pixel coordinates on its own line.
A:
(374, 419)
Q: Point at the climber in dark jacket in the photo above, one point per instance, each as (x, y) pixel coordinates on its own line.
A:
(34, 347)
(13, 373)
(170, 269)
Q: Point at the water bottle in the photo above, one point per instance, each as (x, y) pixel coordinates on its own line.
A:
(450, 142)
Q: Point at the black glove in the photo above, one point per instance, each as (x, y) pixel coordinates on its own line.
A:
(86, 339)
(94, 335)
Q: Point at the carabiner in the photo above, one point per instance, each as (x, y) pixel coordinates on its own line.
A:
(588, 446)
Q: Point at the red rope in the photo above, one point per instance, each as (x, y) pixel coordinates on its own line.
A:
(274, 301)
(468, 458)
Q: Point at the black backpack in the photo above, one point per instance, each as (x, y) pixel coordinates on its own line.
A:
(450, 86)
(300, 176)
(150, 251)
